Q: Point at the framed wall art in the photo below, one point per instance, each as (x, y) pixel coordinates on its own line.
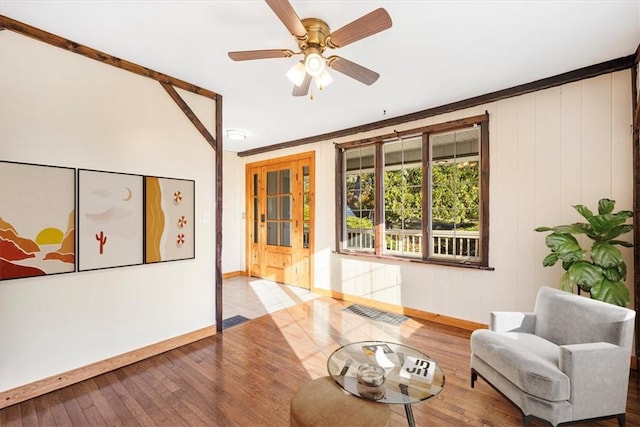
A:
(37, 220)
(169, 219)
(110, 219)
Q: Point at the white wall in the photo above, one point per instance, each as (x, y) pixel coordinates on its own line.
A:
(233, 248)
(549, 150)
(59, 108)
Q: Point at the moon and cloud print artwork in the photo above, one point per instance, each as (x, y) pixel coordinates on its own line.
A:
(170, 217)
(110, 219)
(37, 220)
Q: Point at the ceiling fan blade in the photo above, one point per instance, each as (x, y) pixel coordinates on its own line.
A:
(365, 26)
(285, 12)
(303, 89)
(245, 55)
(353, 70)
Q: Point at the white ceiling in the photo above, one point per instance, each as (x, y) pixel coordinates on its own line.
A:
(436, 52)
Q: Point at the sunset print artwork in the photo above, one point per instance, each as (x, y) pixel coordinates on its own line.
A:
(169, 226)
(110, 219)
(37, 220)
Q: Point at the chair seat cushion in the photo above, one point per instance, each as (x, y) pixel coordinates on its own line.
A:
(528, 361)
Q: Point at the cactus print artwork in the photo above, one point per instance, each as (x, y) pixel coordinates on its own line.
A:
(110, 219)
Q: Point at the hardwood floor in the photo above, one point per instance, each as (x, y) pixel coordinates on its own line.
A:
(248, 375)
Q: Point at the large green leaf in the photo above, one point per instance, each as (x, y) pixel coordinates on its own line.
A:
(602, 224)
(605, 255)
(621, 243)
(614, 273)
(562, 243)
(576, 228)
(611, 292)
(605, 206)
(625, 214)
(584, 211)
(616, 231)
(585, 274)
(550, 260)
(571, 257)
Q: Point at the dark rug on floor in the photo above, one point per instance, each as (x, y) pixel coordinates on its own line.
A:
(233, 321)
(372, 313)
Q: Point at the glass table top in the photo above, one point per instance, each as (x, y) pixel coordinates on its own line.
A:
(411, 376)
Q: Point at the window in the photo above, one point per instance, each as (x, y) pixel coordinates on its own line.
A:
(403, 197)
(360, 198)
(420, 194)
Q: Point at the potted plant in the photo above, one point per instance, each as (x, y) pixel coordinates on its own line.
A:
(599, 270)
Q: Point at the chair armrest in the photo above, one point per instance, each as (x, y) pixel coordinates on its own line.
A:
(599, 376)
(512, 321)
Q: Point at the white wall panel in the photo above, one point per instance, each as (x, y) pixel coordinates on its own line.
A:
(571, 150)
(529, 256)
(505, 203)
(596, 139)
(233, 213)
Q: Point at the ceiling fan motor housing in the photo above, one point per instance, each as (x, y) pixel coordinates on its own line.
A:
(317, 35)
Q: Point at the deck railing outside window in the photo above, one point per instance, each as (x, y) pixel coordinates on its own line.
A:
(447, 244)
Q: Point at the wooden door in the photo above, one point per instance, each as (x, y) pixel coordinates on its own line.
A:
(280, 219)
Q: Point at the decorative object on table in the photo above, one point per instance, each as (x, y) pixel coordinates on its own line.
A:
(382, 359)
(370, 375)
(110, 219)
(599, 270)
(170, 219)
(37, 220)
(370, 381)
(418, 369)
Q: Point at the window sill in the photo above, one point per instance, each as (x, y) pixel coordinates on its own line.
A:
(444, 263)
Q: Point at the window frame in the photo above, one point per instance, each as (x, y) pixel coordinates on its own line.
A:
(378, 142)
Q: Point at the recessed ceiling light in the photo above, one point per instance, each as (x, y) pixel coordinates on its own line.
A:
(236, 134)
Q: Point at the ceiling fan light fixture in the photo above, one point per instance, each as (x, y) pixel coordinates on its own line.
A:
(296, 73)
(314, 64)
(323, 80)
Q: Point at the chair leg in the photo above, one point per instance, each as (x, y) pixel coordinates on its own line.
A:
(621, 420)
(526, 420)
(474, 378)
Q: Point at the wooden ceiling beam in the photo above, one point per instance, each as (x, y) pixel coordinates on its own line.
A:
(189, 113)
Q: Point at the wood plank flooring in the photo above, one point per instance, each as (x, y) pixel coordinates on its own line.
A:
(248, 375)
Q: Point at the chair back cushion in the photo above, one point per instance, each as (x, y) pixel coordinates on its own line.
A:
(565, 318)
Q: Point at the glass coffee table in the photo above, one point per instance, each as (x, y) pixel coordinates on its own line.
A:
(410, 376)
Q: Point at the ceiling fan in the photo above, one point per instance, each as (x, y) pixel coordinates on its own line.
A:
(313, 37)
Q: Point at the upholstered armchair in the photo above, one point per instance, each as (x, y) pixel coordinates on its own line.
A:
(568, 360)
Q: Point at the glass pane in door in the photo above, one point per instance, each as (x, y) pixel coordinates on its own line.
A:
(272, 233)
(272, 182)
(279, 213)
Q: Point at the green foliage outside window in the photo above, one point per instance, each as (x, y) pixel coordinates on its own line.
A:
(403, 198)
(455, 195)
(356, 223)
(360, 197)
